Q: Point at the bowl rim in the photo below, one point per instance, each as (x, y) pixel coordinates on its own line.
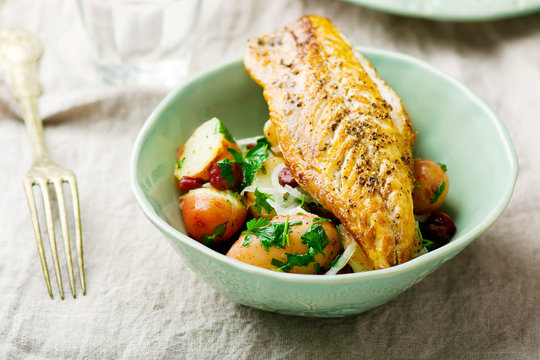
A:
(445, 14)
(455, 245)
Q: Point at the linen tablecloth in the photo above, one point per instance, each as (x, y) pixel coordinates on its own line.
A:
(144, 303)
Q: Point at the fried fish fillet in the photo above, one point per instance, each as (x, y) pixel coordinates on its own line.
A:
(343, 132)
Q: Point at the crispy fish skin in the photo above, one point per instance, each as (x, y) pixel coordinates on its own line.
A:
(343, 132)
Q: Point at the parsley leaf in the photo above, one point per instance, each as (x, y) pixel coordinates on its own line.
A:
(220, 128)
(428, 244)
(261, 202)
(445, 169)
(318, 268)
(218, 232)
(270, 234)
(338, 229)
(416, 185)
(438, 192)
(316, 240)
(320, 220)
(226, 170)
(255, 224)
(252, 161)
(181, 163)
(334, 262)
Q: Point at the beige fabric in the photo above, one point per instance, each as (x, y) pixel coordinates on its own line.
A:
(144, 303)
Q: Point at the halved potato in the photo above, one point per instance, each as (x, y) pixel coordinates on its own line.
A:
(207, 145)
(253, 251)
(263, 179)
(211, 215)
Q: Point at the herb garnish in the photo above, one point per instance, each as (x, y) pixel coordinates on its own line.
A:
(321, 220)
(253, 225)
(226, 170)
(438, 192)
(261, 202)
(334, 262)
(428, 244)
(252, 161)
(417, 185)
(445, 169)
(316, 240)
(270, 234)
(181, 162)
(218, 232)
(220, 128)
(338, 229)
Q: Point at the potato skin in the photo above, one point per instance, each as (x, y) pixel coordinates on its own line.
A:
(429, 177)
(255, 254)
(203, 149)
(204, 209)
(270, 134)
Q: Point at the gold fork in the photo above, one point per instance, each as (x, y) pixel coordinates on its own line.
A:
(19, 57)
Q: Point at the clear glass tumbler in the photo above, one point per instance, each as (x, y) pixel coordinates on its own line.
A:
(144, 42)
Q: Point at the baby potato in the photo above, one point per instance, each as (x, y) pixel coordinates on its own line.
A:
(207, 145)
(271, 252)
(263, 179)
(431, 186)
(211, 215)
(270, 133)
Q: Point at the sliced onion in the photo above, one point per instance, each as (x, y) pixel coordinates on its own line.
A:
(344, 259)
(275, 179)
(252, 188)
(247, 141)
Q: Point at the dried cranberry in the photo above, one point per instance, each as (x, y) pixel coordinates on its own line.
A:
(189, 183)
(438, 227)
(226, 175)
(286, 178)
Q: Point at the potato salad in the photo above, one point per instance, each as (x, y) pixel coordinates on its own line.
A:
(240, 198)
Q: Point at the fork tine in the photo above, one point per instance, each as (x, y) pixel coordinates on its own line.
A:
(50, 228)
(65, 232)
(72, 181)
(37, 231)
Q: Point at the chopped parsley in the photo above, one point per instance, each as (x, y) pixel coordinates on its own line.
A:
(445, 169)
(316, 240)
(252, 161)
(320, 220)
(334, 262)
(181, 163)
(253, 225)
(417, 185)
(220, 128)
(218, 232)
(261, 202)
(318, 268)
(303, 200)
(437, 194)
(428, 244)
(270, 234)
(338, 229)
(226, 171)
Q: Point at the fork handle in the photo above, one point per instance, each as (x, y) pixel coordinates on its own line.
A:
(19, 56)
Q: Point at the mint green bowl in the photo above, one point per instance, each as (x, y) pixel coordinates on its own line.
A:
(454, 10)
(454, 127)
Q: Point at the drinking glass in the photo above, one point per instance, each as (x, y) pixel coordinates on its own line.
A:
(144, 42)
